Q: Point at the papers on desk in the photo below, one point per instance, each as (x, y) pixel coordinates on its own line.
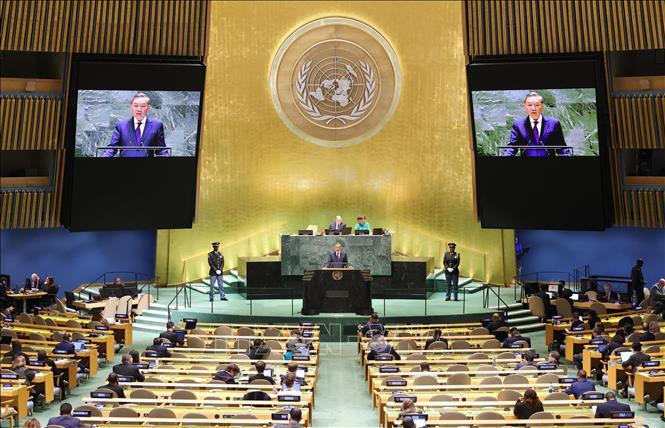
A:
(625, 355)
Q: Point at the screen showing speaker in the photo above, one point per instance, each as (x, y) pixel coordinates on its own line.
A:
(136, 123)
(133, 130)
(540, 138)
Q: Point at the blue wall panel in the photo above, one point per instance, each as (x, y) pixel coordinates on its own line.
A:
(612, 252)
(74, 258)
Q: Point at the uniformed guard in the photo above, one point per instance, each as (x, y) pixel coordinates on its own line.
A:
(451, 264)
(216, 263)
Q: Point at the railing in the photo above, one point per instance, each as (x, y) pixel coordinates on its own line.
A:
(148, 281)
(488, 290)
(187, 298)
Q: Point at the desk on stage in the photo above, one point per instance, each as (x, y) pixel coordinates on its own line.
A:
(304, 253)
(337, 290)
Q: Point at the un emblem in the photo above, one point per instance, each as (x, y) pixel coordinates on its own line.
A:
(335, 82)
(337, 275)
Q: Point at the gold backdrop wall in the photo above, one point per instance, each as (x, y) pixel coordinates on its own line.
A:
(257, 178)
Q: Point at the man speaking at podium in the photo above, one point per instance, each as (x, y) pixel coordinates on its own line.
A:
(536, 130)
(138, 131)
(338, 259)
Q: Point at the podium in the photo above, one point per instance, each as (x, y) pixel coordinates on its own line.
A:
(337, 290)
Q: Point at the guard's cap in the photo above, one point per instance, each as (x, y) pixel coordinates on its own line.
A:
(215, 243)
(452, 244)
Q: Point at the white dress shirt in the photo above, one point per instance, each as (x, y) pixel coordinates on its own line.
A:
(136, 123)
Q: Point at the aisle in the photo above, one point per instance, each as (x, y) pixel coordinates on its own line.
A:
(341, 394)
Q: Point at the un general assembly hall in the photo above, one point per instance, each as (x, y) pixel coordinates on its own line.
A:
(366, 214)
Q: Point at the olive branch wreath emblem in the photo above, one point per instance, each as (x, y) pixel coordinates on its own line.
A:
(369, 93)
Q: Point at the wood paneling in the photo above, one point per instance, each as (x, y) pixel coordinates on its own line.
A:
(502, 27)
(639, 121)
(163, 27)
(128, 27)
(30, 122)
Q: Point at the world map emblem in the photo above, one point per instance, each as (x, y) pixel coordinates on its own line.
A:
(335, 82)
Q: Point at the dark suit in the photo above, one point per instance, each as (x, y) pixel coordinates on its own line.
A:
(512, 339)
(66, 422)
(578, 388)
(522, 134)
(337, 228)
(68, 347)
(129, 370)
(547, 302)
(216, 263)
(338, 261)
(636, 284)
(635, 361)
(115, 388)
(125, 135)
(161, 351)
(604, 297)
(605, 410)
(261, 376)
(451, 260)
(171, 336)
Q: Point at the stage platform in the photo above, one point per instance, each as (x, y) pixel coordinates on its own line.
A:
(335, 326)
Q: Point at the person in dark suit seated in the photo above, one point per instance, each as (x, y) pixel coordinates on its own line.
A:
(260, 368)
(229, 374)
(338, 259)
(515, 336)
(171, 335)
(580, 386)
(528, 358)
(379, 346)
(9, 312)
(138, 131)
(17, 349)
(126, 368)
(66, 345)
(337, 225)
(258, 350)
(66, 420)
(536, 130)
(34, 283)
(372, 325)
(158, 348)
(612, 405)
(636, 359)
(552, 358)
(650, 331)
(51, 288)
(496, 323)
(617, 341)
(436, 337)
(528, 405)
(114, 386)
(608, 295)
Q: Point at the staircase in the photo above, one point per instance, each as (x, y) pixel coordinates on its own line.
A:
(522, 318)
(153, 319)
(439, 280)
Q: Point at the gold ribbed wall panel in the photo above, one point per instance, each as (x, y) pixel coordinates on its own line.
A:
(30, 122)
(165, 27)
(502, 27)
(255, 172)
(639, 121)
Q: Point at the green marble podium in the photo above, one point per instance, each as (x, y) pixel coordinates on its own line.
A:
(301, 253)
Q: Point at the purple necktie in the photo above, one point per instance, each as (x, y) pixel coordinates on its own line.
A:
(536, 141)
(536, 134)
(138, 134)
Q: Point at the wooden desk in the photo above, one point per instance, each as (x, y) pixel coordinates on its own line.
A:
(645, 383)
(24, 297)
(105, 339)
(611, 307)
(18, 394)
(122, 330)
